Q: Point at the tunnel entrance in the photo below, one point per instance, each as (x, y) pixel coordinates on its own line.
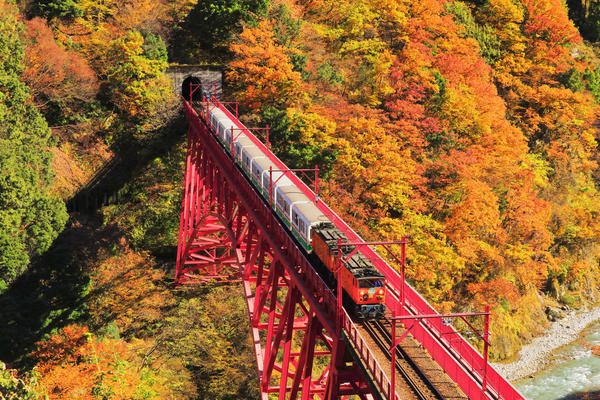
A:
(185, 88)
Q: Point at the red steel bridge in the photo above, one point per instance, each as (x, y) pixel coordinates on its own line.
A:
(305, 342)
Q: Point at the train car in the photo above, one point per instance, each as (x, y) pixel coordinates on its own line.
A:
(220, 122)
(312, 229)
(241, 141)
(358, 277)
(305, 216)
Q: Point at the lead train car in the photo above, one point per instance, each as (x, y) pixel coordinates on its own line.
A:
(359, 277)
(364, 284)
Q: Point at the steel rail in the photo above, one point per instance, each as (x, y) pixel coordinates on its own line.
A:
(382, 341)
(404, 355)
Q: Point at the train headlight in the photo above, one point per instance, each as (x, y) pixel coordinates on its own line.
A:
(381, 291)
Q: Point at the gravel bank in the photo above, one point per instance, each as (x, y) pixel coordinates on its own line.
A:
(536, 355)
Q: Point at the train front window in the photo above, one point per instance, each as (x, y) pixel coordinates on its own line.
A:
(370, 283)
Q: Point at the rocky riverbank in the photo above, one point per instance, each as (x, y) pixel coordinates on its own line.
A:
(536, 355)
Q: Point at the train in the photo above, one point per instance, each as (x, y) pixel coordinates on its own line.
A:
(362, 283)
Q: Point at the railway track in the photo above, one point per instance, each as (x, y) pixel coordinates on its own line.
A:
(418, 382)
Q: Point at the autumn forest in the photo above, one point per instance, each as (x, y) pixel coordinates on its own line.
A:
(468, 126)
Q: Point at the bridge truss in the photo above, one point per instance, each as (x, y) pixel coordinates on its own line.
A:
(305, 345)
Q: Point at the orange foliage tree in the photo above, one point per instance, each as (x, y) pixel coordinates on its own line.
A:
(558, 124)
(52, 73)
(75, 365)
(263, 70)
(127, 290)
(446, 105)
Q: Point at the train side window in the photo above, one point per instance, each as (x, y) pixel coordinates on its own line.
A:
(255, 171)
(294, 218)
(269, 179)
(301, 227)
(285, 207)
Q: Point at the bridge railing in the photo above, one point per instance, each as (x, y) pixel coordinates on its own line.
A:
(450, 344)
(459, 359)
(378, 374)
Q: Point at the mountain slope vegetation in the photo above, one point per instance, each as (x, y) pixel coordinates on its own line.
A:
(468, 126)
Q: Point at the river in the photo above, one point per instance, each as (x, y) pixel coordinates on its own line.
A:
(574, 375)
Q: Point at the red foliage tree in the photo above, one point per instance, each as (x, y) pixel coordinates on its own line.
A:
(53, 73)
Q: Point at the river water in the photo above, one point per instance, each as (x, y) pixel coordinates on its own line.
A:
(575, 375)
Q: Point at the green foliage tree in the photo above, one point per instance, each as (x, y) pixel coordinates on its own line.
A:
(489, 44)
(213, 23)
(293, 136)
(287, 29)
(30, 216)
(57, 9)
(136, 73)
(592, 82)
(154, 47)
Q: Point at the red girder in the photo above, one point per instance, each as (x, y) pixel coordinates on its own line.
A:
(228, 233)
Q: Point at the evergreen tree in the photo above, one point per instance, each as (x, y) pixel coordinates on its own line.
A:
(30, 216)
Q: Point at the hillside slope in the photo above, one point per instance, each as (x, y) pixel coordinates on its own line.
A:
(470, 127)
